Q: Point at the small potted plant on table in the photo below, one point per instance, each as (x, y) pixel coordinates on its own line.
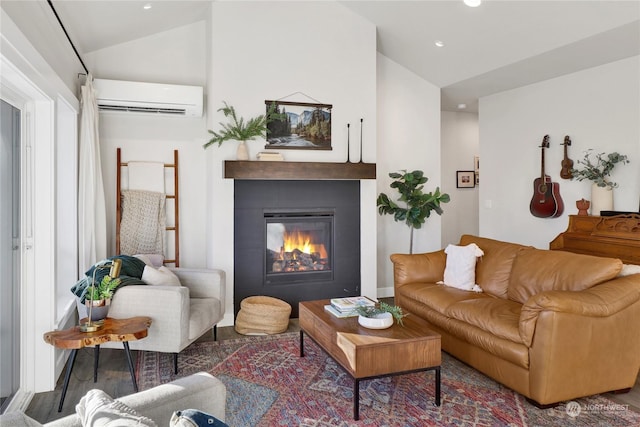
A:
(99, 297)
(380, 316)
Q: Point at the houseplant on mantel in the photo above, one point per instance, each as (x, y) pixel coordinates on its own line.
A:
(598, 171)
(240, 130)
(418, 205)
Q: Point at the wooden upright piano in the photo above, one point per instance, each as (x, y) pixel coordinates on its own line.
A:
(609, 236)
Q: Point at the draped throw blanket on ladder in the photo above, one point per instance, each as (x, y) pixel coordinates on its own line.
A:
(143, 222)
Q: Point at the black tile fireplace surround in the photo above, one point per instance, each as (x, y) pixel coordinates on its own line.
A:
(327, 208)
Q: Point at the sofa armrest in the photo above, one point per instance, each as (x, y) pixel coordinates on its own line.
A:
(584, 343)
(200, 391)
(601, 300)
(427, 267)
(169, 309)
(203, 283)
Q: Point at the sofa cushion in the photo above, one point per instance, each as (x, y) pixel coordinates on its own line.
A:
(437, 297)
(495, 315)
(514, 352)
(460, 269)
(494, 268)
(202, 314)
(536, 270)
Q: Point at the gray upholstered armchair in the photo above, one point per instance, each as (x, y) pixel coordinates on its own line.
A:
(180, 314)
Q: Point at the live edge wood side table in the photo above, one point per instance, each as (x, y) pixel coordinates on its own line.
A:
(117, 330)
(369, 353)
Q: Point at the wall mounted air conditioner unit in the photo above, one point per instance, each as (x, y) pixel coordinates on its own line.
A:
(139, 97)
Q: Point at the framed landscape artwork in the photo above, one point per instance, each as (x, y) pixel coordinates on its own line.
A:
(465, 179)
(303, 126)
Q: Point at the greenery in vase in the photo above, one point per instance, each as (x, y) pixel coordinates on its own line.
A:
(418, 204)
(104, 290)
(382, 307)
(237, 129)
(598, 169)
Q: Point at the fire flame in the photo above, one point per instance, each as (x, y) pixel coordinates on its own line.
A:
(302, 242)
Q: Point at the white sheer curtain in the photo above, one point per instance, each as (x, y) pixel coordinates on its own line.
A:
(92, 221)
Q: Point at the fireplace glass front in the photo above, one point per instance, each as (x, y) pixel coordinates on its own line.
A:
(298, 246)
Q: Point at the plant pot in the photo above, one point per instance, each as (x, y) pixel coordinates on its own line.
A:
(242, 153)
(601, 199)
(379, 321)
(100, 309)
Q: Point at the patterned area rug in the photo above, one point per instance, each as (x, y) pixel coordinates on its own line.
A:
(268, 384)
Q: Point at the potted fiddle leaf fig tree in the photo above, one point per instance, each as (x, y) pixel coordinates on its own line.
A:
(415, 205)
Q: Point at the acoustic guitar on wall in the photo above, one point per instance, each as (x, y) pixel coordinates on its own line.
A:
(546, 201)
(567, 163)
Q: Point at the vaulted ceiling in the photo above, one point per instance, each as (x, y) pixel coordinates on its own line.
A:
(494, 47)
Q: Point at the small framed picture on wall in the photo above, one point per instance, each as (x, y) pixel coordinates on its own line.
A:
(465, 179)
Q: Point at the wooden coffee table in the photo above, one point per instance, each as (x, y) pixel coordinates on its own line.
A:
(371, 353)
(117, 330)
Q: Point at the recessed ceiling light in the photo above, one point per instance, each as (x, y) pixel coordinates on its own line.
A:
(439, 43)
(462, 106)
(147, 6)
(472, 3)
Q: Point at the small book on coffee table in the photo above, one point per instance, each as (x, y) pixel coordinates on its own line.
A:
(331, 309)
(349, 304)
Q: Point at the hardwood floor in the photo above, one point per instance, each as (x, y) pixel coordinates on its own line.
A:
(115, 380)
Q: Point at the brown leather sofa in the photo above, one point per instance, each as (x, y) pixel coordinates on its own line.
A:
(551, 325)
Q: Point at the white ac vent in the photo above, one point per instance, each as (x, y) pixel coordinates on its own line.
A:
(156, 98)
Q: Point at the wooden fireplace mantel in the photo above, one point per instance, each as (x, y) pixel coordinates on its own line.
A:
(237, 169)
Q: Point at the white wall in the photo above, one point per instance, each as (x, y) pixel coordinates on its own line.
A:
(177, 56)
(40, 27)
(268, 51)
(598, 108)
(408, 138)
(460, 144)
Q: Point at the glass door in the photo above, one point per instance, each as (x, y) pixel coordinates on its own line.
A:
(9, 253)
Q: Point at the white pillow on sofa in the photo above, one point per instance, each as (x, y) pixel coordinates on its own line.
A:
(628, 270)
(98, 409)
(161, 276)
(460, 269)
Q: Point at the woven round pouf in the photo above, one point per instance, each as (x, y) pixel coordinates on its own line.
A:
(262, 315)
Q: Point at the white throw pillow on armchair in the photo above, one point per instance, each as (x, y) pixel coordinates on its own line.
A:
(161, 276)
(460, 269)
